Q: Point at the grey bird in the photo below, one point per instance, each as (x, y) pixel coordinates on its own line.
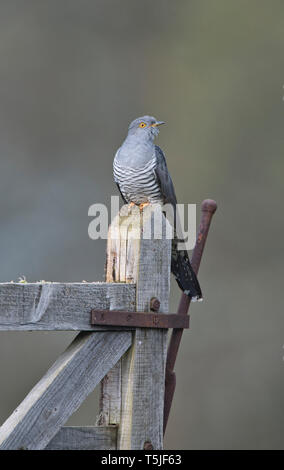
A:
(141, 174)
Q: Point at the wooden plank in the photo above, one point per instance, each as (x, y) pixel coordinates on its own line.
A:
(110, 394)
(84, 438)
(62, 390)
(60, 306)
(130, 258)
(110, 397)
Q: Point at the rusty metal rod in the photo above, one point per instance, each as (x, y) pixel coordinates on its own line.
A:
(208, 209)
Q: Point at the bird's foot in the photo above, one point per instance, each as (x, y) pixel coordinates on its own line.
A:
(142, 205)
(130, 205)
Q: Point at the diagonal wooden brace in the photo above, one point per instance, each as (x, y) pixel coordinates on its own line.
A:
(62, 389)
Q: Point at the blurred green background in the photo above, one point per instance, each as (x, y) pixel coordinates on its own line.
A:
(72, 76)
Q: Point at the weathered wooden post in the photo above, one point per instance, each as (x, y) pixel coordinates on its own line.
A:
(132, 393)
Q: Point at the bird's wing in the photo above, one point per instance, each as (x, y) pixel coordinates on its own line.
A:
(116, 182)
(163, 178)
(123, 198)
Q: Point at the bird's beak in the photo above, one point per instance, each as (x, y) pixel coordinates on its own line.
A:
(158, 123)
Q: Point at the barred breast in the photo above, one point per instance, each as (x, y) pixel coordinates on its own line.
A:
(137, 185)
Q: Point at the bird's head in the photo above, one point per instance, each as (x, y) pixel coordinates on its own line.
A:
(145, 127)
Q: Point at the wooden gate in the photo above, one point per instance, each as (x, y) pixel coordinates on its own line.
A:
(129, 362)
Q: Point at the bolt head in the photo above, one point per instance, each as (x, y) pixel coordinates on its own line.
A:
(148, 446)
(154, 304)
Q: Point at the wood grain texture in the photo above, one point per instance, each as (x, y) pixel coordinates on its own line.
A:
(110, 397)
(84, 438)
(62, 389)
(60, 306)
(132, 258)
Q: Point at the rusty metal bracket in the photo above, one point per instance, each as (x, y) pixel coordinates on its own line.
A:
(208, 209)
(138, 319)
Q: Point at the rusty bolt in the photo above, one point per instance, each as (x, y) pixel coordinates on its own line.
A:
(148, 446)
(154, 304)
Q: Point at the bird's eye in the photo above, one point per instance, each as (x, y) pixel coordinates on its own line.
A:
(142, 124)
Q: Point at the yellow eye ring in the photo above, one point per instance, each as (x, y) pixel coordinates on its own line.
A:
(142, 124)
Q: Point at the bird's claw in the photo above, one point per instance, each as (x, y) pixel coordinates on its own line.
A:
(142, 205)
(130, 206)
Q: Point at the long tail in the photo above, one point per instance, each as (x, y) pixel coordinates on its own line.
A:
(184, 274)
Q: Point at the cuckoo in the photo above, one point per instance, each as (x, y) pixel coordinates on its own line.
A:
(141, 174)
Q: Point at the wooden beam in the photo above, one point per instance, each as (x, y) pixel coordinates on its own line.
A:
(139, 376)
(60, 306)
(84, 438)
(62, 389)
(110, 397)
